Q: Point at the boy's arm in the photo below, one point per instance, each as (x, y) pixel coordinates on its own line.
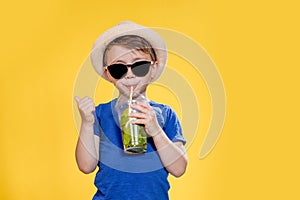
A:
(87, 149)
(172, 154)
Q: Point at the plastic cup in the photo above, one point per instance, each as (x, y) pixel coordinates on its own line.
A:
(134, 136)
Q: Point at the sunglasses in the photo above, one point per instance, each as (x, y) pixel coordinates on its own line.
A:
(139, 68)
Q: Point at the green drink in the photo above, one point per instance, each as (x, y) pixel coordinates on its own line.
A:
(134, 136)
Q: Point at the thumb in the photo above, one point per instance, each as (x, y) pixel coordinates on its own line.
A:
(77, 99)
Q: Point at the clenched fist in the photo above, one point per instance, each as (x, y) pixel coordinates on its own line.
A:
(86, 109)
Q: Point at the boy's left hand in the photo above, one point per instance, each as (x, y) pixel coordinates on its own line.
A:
(147, 117)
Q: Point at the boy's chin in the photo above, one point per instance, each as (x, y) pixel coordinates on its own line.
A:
(125, 92)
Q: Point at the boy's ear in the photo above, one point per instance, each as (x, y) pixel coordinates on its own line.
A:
(108, 75)
(154, 70)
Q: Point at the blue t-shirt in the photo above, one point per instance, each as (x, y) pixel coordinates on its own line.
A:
(131, 177)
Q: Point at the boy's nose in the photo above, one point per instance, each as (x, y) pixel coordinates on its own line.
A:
(129, 74)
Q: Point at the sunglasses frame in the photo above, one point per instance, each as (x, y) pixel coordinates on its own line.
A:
(130, 65)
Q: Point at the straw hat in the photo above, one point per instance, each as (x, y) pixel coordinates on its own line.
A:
(128, 28)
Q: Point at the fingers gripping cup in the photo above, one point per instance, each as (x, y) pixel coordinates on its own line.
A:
(134, 136)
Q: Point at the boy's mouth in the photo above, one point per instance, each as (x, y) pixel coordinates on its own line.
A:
(129, 86)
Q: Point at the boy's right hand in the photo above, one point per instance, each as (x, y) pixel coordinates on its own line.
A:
(86, 109)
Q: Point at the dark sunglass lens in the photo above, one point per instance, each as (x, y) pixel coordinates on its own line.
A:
(117, 71)
(141, 68)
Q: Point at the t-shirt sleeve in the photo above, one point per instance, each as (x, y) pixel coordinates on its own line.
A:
(172, 126)
(97, 123)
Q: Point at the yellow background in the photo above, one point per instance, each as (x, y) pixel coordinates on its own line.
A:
(255, 45)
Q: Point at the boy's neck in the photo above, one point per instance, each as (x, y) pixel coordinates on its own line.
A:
(142, 95)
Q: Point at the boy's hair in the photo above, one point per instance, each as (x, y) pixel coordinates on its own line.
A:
(131, 42)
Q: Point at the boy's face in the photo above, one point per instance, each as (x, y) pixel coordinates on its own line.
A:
(120, 55)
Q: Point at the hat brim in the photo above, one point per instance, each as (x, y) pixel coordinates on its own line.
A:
(128, 28)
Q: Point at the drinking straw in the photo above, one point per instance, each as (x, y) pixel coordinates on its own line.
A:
(133, 129)
(130, 100)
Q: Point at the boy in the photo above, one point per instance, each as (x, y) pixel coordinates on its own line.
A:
(130, 56)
